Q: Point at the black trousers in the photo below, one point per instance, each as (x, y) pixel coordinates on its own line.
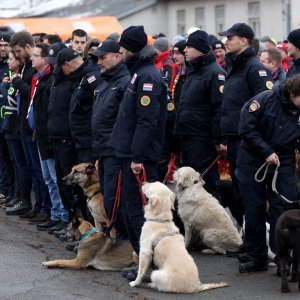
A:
(198, 153)
(131, 199)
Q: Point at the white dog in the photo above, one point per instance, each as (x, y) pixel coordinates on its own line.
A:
(160, 240)
(204, 219)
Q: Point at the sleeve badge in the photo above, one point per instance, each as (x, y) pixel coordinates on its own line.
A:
(269, 85)
(145, 100)
(254, 106)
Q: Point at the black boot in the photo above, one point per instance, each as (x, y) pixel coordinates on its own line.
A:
(252, 266)
(236, 251)
(18, 209)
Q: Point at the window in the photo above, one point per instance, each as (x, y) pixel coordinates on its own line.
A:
(181, 21)
(254, 17)
(220, 18)
(200, 17)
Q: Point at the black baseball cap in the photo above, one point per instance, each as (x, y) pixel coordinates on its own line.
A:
(53, 51)
(66, 54)
(240, 29)
(108, 46)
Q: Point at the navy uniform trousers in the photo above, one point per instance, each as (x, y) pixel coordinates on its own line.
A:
(131, 199)
(254, 196)
(108, 170)
(198, 153)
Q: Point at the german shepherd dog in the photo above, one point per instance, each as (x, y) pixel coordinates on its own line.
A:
(96, 250)
(287, 233)
(86, 176)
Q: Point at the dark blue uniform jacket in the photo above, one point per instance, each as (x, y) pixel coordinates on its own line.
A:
(246, 78)
(273, 127)
(108, 97)
(201, 99)
(88, 78)
(140, 127)
(295, 69)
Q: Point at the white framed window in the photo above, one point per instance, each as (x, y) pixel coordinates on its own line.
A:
(220, 18)
(254, 17)
(181, 21)
(200, 17)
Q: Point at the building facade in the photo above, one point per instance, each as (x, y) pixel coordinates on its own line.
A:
(274, 18)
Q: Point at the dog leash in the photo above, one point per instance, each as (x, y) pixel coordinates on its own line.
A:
(211, 165)
(142, 177)
(116, 205)
(274, 189)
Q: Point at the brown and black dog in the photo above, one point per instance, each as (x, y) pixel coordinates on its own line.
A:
(86, 176)
(96, 250)
(287, 235)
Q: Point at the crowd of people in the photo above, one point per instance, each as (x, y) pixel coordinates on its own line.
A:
(145, 107)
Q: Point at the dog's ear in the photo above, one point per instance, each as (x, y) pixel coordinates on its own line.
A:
(200, 179)
(90, 169)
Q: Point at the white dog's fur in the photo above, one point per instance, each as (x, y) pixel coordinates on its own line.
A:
(177, 271)
(204, 219)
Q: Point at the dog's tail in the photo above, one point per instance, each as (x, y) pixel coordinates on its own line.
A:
(210, 286)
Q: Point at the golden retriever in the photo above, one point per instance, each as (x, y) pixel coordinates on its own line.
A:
(160, 240)
(205, 220)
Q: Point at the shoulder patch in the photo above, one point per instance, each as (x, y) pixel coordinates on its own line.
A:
(221, 77)
(262, 73)
(133, 78)
(145, 100)
(171, 106)
(254, 106)
(91, 79)
(221, 88)
(269, 85)
(148, 87)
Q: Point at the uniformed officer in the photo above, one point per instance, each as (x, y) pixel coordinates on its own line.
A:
(108, 97)
(139, 130)
(269, 128)
(198, 117)
(246, 78)
(294, 52)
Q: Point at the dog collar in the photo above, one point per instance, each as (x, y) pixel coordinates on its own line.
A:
(90, 232)
(159, 220)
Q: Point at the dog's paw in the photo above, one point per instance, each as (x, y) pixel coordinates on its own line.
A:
(208, 251)
(45, 263)
(133, 283)
(152, 285)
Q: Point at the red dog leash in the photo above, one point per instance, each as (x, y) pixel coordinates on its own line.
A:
(140, 178)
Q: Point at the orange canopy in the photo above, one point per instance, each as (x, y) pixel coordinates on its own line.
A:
(99, 27)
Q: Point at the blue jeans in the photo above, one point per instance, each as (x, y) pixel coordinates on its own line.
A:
(58, 211)
(42, 200)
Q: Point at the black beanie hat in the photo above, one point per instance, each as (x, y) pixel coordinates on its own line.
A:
(4, 37)
(216, 44)
(294, 38)
(179, 46)
(133, 38)
(199, 40)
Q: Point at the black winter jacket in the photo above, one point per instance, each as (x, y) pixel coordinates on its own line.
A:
(201, 99)
(58, 110)
(87, 77)
(246, 78)
(269, 123)
(108, 97)
(295, 69)
(23, 84)
(140, 126)
(40, 112)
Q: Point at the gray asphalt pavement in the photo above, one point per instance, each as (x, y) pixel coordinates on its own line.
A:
(23, 248)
